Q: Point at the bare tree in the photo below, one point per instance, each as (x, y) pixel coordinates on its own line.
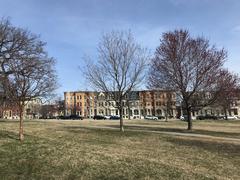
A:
(26, 70)
(16, 45)
(188, 65)
(34, 79)
(229, 90)
(119, 68)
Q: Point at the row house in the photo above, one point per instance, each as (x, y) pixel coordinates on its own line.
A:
(230, 108)
(8, 112)
(136, 104)
(158, 103)
(107, 106)
(132, 108)
(82, 103)
(31, 110)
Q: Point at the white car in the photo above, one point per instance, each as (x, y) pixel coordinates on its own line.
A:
(107, 117)
(149, 117)
(232, 117)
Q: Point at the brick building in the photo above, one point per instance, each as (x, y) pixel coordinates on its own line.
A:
(158, 103)
(82, 103)
(135, 106)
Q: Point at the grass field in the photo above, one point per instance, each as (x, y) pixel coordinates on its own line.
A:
(85, 150)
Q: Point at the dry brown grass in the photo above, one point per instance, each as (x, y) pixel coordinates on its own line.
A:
(72, 150)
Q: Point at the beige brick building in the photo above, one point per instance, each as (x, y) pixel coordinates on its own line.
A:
(136, 105)
(82, 103)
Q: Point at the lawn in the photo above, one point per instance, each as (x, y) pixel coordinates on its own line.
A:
(76, 150)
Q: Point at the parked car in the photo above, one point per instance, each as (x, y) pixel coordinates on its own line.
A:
(60, 117)
(76, 117)
(107, 117)
(221, 117)
(47, 117)
(63, 117)
(149, 117)
(231, 117)
(161, 117)
(71, 117)
(184, 117)
(207, 116)
(115, 117)
(98, 117)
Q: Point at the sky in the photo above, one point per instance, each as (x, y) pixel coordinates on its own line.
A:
(73, 28)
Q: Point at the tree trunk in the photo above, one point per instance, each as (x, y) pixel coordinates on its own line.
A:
(21, 110)
(121, 120)
(189, 119)
(225, 113)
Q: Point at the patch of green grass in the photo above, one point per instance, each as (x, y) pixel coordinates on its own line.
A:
(67, 150)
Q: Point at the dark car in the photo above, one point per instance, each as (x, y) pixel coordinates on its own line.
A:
(114, 117)
(76, 117)
(98, 117)
(161, 117)
(63, 117)
(60, 117)
(203, 117)
(211, 117)
(221, 117)
(73, 117)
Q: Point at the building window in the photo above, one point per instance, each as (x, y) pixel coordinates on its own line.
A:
(159, 112)
(235, 112)
(136, 112)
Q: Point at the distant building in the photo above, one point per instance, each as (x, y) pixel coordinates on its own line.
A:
(158, 103)
(198, 108)
(105, 105)
(31, 110)
(82, 103)
(135, 106)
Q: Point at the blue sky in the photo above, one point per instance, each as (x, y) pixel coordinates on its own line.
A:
(72, 28)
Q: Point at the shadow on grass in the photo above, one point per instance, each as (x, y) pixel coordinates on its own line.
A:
(215, 147)
(108, 132)
(178, 130)
(8, 135)
(157, 129)
(7, 121)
